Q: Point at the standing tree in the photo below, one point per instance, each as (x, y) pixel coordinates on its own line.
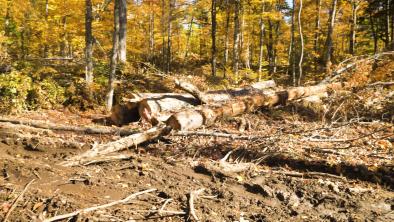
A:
(261, 39)
(114, 56)
(329, 41)
(353, 26)
(292, 45)
(169, 35)
(213, 35)
(237, 4)
(122, 31)
(226, 37)
(317, 34)
(302, 44)
(88, 43)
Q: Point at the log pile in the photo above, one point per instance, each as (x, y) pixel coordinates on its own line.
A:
(158, 107)
(198, 116)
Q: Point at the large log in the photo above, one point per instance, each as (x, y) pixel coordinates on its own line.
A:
(159, 109)
(195, 118)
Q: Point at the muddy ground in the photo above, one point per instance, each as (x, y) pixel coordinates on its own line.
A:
(301, 170)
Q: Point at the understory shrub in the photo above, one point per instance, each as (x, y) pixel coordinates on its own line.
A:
(14, 89)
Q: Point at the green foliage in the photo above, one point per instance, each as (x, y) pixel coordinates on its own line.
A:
(83, 96)
(46, 94)
(14, 89)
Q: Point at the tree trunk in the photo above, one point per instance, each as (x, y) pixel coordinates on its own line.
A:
(374, 34)
(387, 25)
(169, 35)
(163, 33)
(46, 47)
(329, 43)
(213, 35)
(114, 56)
(7, 18)
(226, 38)
(353, 27)
(89, 41)
(122, 31)
(302, 44)
(189, 35)
(236, 40)
(151, 33)
(317, 34)
(261, 44)
(292, 48)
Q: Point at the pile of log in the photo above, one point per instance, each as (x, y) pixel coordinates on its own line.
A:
(189, 117)
(158, 107)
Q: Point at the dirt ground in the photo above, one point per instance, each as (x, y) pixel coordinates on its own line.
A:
(301, 170)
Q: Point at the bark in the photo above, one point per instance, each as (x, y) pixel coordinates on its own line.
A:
(213, 36)
(122, 31)
(329, 41)
(189, 34)
(196, 118)
(302, 44)
(374, 33)
(60, 127)
(163, 47)
(317, 27)
(236, 40)
(46, 48)
(151, 32)
(262, 27)
(353, 27)
(169, 35)
(125, 142)
(114, 57)
(160, 108)
(387, 25)
(89, 41)
(226, 38)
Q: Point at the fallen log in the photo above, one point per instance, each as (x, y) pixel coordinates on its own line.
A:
(118, 145)
(198, 117)
(60, 127)
(195, 118)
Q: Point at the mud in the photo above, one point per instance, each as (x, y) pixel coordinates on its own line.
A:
(292, 179)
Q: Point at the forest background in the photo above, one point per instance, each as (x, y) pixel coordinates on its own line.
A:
(56, 53)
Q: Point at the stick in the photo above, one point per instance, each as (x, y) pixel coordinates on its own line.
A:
(17, 200)
(217, 134)
(90, 209)
(194, 195)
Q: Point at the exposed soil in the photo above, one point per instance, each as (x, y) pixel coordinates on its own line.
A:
(302, 170)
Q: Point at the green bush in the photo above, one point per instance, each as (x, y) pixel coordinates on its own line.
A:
(14, 89)
(46, 94)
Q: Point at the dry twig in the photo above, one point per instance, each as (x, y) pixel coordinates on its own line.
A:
(90, 209)
(17, 200)
(192, 196)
